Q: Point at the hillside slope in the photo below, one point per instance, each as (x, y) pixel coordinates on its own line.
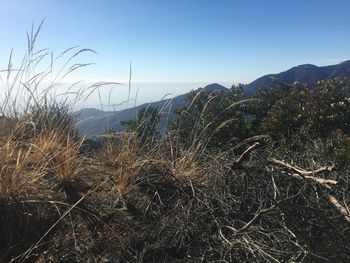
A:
(94, 122)
(306, 73)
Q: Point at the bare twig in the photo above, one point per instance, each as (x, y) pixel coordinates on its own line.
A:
(247, 152)
(257, 215)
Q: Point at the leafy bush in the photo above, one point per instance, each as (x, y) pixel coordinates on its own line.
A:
(318, 110)
(217, 118)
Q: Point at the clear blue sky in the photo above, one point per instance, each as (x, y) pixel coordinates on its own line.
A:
(185, 40)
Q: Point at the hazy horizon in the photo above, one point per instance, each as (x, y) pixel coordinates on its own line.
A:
(115, 97)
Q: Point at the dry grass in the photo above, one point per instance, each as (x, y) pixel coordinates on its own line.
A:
(66, 161)
(127, 160)
(60, 153)
(134, 164)
(38, 143)
(17, 171)
(36, 111)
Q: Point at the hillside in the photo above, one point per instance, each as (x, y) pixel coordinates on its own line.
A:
(259, 180)
(93, 122)
(306, 73)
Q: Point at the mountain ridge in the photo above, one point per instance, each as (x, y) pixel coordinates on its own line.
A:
(305, 73)
(93, 122)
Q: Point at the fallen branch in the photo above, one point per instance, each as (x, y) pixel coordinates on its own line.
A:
(328, 183)
(301, 170)
(304, 174)
(308, 175)
(342, 210)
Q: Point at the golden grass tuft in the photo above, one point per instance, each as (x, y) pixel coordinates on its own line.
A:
(134, 164)
(18, 172)
(60, 153)
(67, 161)
(126, 161)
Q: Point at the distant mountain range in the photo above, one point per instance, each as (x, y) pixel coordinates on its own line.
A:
(93, 122)
(306, 73)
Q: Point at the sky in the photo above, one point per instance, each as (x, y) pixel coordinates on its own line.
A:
(178, 45)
